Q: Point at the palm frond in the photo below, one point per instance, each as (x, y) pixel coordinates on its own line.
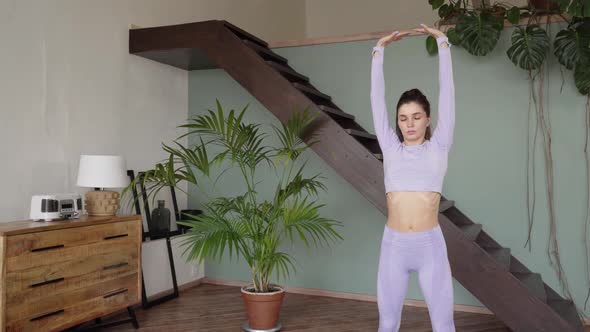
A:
(290, 133)
(304, 219)
(298, 186)
(211, 233)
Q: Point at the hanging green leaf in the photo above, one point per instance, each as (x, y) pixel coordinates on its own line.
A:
(571, 45)
(431, 45)
(582, 77)
(575, 8)
(529, 47)
(453, 36)
(479, 33)
(513, 15)
(444, 10)
(436, 3)
(580, 8)
(563, 4)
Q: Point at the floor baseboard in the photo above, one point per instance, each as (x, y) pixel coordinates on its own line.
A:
(183, 287)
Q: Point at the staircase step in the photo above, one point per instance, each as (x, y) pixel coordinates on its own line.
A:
(471, 231)
(265, 52)
(551, 294)
(534, 283)
(567, 310)
(445, 205)
(336, 112)
(245, 35)
(311, 91)
(502, 255)
(360, 133)
(286, 71)
(517, 267)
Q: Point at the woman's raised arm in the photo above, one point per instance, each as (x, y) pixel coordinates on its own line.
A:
(443, 134)
(385, 134)
(445, 126)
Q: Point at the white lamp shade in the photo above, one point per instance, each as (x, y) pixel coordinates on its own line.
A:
(102, 172)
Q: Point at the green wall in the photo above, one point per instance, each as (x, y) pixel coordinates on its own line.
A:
(486, 175)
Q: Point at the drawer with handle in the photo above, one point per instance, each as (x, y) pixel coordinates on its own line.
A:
(51, 249)
(99, 294)
(32, 284)
(59, 319)
(70, 237)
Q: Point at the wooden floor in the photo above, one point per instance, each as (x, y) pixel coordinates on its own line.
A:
(215, 308)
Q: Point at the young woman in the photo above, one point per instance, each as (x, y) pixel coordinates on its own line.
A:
(414, 163)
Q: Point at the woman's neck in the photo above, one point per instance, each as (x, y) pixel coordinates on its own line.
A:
(415, 142)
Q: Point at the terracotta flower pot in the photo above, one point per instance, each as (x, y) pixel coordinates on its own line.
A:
(263, 309)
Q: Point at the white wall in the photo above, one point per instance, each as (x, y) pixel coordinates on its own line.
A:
(69, 86)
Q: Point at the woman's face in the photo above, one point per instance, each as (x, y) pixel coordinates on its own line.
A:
(413, 121)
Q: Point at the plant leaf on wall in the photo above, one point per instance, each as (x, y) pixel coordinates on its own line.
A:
(529, 47)
(436, 3)
(454, 37)
(445, 10)
(479, 33)
(571, 44)
(580, 8)
(431, 45)
(513, 15)
(582, 77)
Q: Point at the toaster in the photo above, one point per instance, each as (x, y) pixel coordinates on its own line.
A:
(56, 206)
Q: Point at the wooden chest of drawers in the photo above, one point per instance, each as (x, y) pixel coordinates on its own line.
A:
(61, 273)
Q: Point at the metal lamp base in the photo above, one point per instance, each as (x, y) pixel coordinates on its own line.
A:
(246, 327)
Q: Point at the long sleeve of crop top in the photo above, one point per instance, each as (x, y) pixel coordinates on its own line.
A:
(443, 134)
(386, 136)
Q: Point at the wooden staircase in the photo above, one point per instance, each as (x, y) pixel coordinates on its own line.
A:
(517, 296)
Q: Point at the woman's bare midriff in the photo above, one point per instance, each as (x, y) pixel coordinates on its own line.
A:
(412, 211)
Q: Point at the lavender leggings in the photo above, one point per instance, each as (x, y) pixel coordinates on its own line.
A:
(426, 253)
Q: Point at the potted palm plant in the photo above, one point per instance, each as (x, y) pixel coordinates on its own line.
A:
(247, 225)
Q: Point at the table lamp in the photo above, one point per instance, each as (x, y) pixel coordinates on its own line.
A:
(99, 172)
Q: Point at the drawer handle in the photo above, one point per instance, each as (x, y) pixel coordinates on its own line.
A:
(47, 315)
(114, 266)
(115, 236)
(47, 282)
(116, 293)
(48, 248)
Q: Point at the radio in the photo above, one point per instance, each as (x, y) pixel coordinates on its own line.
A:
(56, 206)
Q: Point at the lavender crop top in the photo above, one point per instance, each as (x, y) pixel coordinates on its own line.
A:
(415, 167)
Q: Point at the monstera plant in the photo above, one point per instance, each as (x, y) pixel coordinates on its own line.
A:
(477, 30)
(249, 225)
